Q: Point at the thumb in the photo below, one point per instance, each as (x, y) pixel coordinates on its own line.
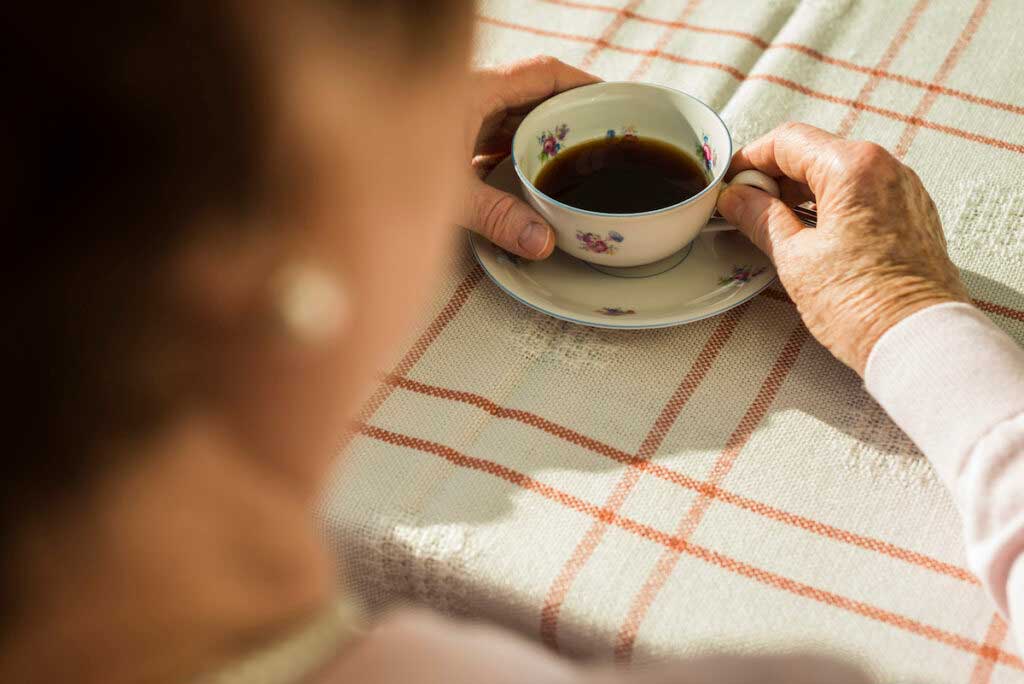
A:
(508, 222)
(766, 220)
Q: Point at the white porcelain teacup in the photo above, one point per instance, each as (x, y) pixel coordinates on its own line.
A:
(622, 109)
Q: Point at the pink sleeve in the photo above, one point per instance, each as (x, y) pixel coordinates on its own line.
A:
(955, 383)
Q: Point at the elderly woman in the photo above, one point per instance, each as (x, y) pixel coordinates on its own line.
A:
(221, 222)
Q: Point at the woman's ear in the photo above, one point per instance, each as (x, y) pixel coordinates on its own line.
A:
(230, 283)
(265, 330)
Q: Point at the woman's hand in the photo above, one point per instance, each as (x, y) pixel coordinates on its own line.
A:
(502, 98)
(878, 253)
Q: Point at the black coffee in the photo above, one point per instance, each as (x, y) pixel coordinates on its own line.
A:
(622, 175)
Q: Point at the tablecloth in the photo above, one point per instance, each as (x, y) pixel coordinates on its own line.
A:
(724, 485)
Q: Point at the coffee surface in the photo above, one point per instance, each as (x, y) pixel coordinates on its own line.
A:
(622, 175)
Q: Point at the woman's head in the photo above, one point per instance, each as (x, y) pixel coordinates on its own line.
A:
(165, 162)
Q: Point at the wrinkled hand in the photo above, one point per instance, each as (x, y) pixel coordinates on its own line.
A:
(878, 253)
(502, 98)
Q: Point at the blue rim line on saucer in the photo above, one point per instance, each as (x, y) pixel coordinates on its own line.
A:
(610, 326)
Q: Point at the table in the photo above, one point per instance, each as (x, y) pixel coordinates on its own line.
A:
(726, 484)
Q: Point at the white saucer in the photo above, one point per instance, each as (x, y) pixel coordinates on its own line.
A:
(716, 272)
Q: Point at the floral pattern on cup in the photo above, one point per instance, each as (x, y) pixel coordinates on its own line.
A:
(707, 154)
(741, 275)
(614, 311)
(628, 133)
(593, 242)
(551, 142)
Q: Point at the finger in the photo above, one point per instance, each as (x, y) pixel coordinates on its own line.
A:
(797, 151)
(508, 222)
(527, 82)
(767, 221)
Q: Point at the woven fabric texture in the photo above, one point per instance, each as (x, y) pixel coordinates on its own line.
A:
(724, 485)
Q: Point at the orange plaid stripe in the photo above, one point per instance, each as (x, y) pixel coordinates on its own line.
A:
(609, 32)
(664, 422)
(914, 121)
(423, 343)
(688, 525)
(846, 125)
(663, 39)
(982, 673)
(896, 620)
(659, 471)
(952, 57)
(1005, 311)
(876, 71)
(884, 75)
(679, 25)
(731, 70)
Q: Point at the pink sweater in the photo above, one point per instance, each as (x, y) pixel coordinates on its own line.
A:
(955, 383)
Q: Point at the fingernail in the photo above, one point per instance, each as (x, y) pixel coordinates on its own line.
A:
(534, 239)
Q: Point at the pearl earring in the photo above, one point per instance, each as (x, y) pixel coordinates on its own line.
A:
(310, 302)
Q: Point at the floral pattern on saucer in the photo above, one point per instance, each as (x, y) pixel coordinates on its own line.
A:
(741, 275)
(614, 311)
(551, 142)
(593, 242)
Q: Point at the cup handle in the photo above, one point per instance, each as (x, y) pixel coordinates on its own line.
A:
(753, 178)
